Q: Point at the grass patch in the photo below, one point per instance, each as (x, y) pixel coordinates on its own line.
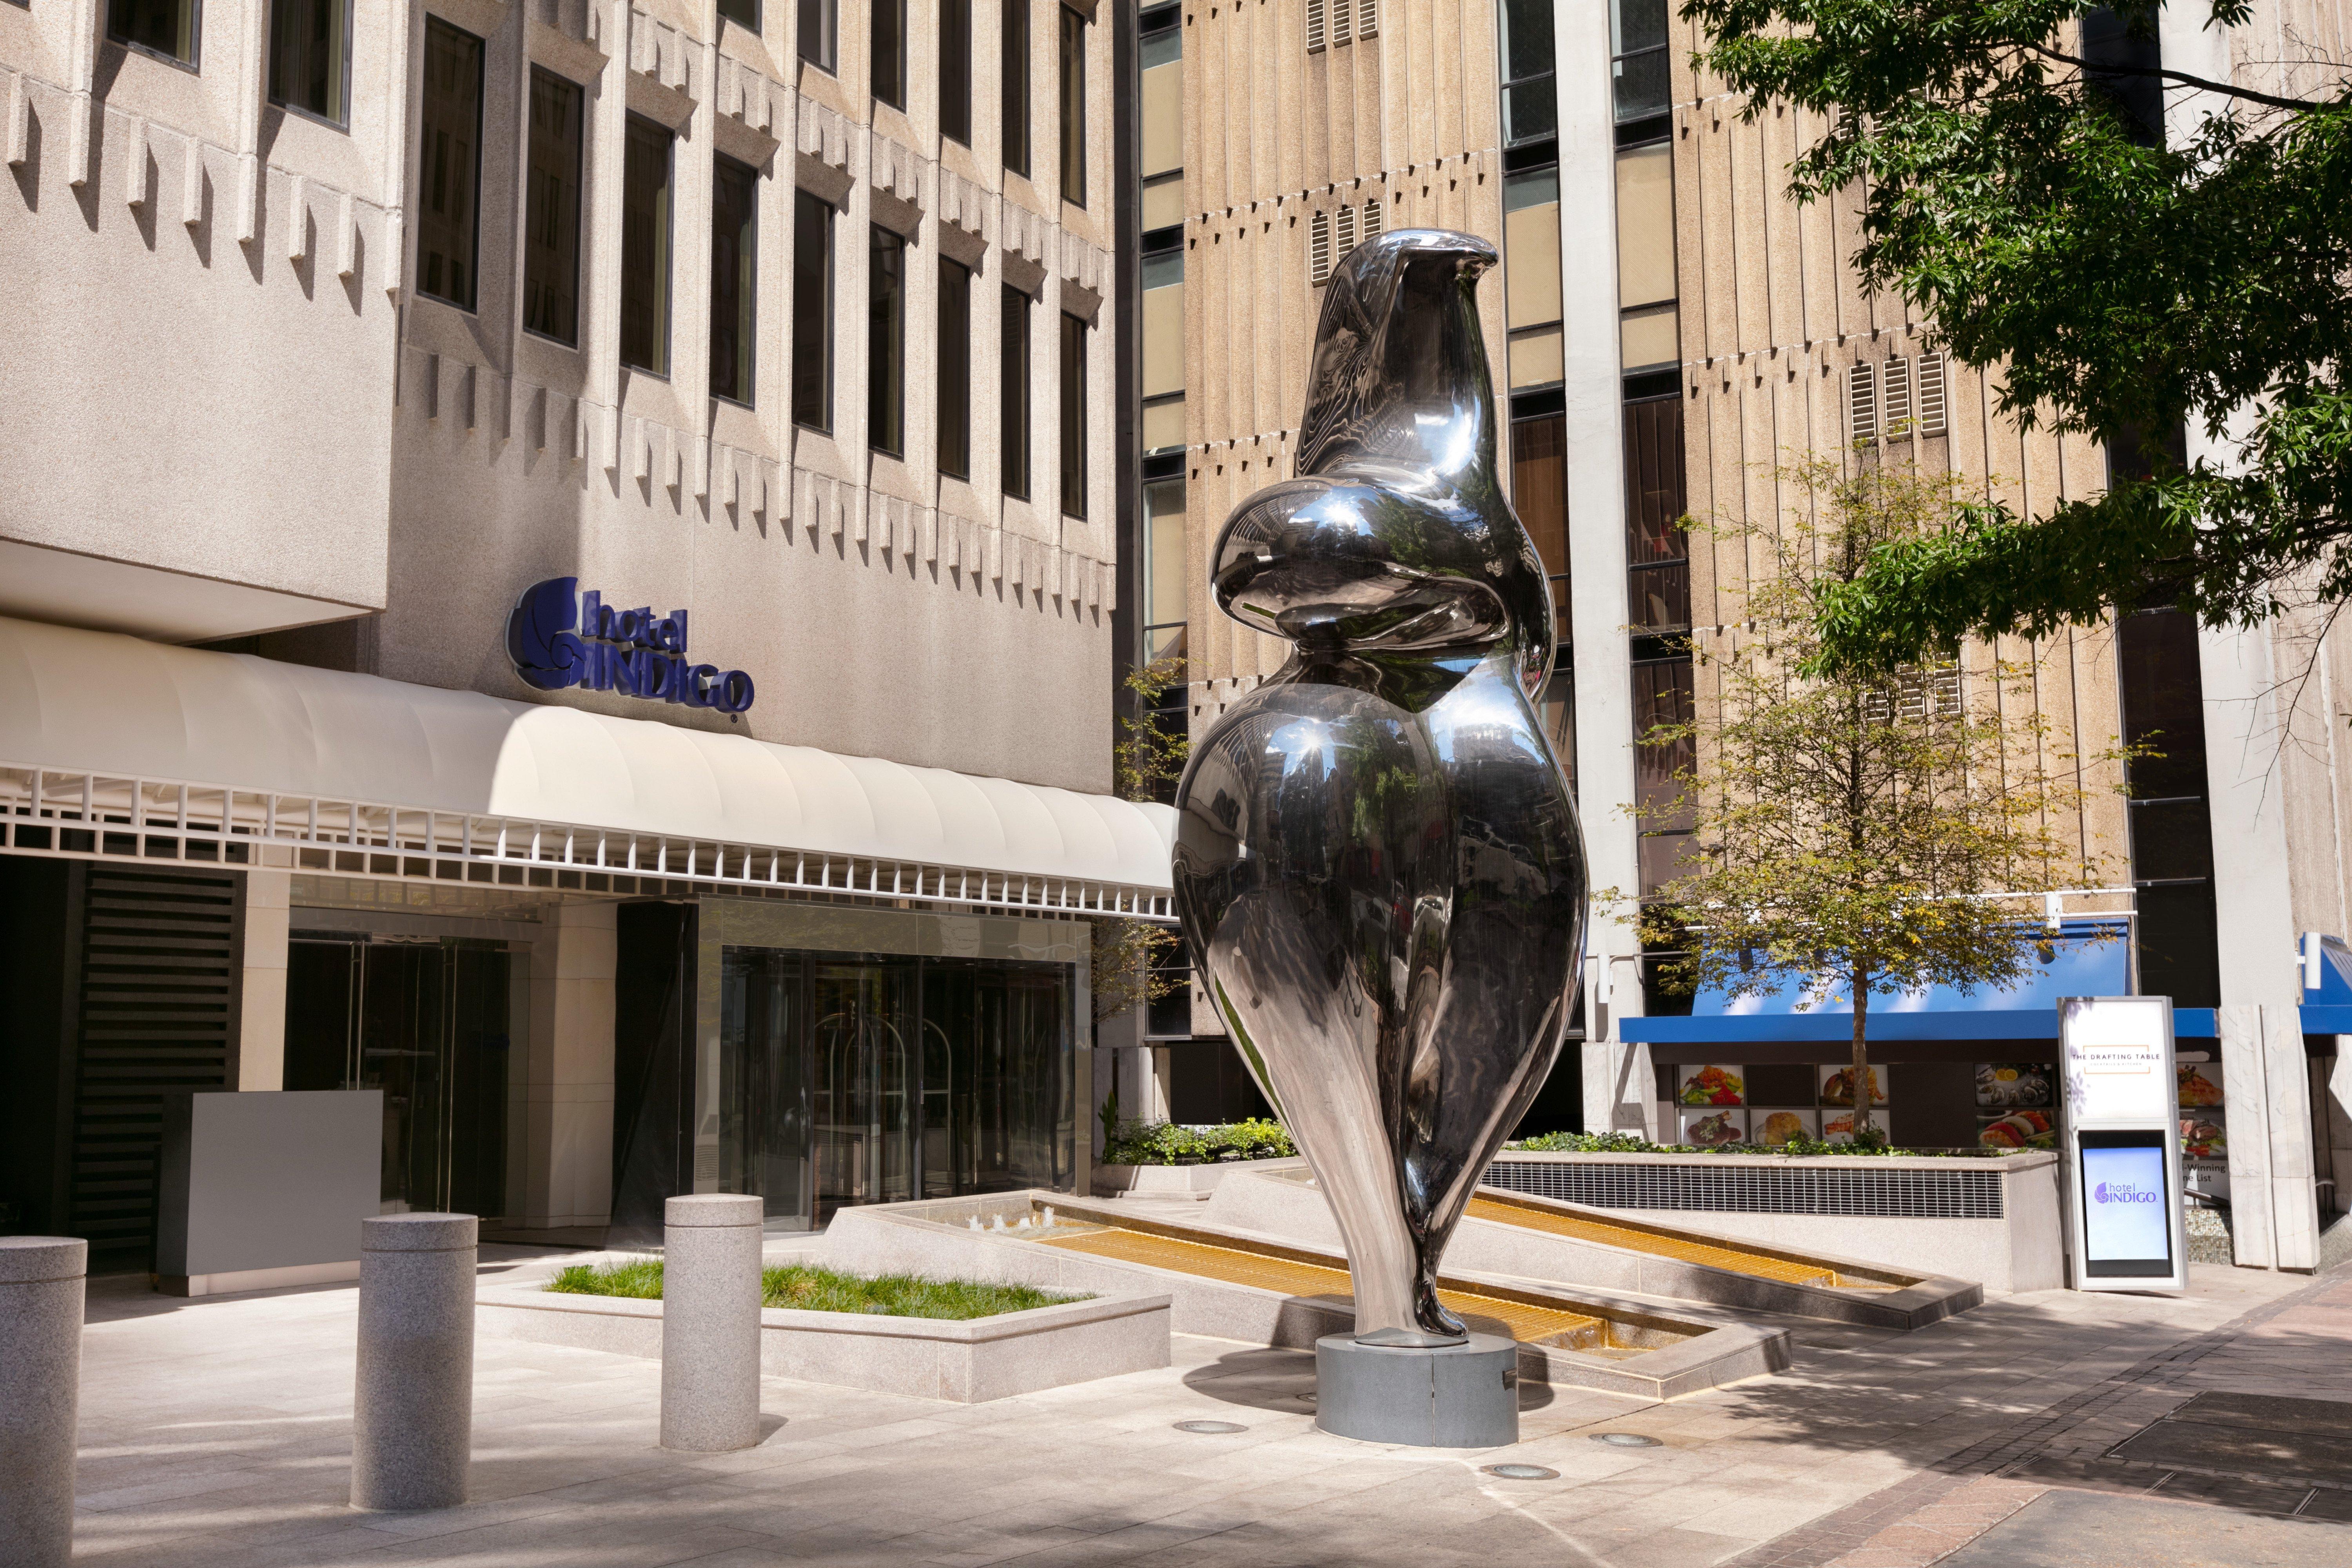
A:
(825, 1290)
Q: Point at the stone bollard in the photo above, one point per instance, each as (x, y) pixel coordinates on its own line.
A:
(40, 1383)
(412, 1426)
(711, 1323)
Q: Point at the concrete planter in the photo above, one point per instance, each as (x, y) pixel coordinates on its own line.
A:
(967, 1363)
(1177, 1181)
(1994, 1222)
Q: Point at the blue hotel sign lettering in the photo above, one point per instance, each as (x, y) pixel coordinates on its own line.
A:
(559, 637)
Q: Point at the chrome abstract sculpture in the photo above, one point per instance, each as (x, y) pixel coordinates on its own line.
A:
(1377, 860)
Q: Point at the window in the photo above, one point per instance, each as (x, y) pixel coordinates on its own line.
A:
(888, 52)
(820, 32)
(450, 214)
(1532, 291)
(1162, 168)
(1531, 100)
(812, 311)
(1016, 86)
(311, 56)
(167, 28)
(886, 341)
(1657, 551)
(1163, 349)
(955, 369)
(1637, 38)
(1013, 390)
(1166, 564)
(734, 277)
(1074, 417)
(1648, 325)
(550, 237)
(645, 248)
(742, 13)
(1074, 108)
(955, 71)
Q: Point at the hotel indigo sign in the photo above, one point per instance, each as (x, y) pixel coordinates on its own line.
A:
(558, 636)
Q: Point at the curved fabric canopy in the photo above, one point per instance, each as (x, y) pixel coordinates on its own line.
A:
(104, 703)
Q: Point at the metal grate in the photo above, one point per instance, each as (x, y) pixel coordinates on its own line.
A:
(1862, 402)
(1900, 1193)
(1314, 24)
(155, 1006)
(98, 816)
(1318, 248)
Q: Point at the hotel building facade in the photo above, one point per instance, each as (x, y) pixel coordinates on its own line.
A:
(559, 562)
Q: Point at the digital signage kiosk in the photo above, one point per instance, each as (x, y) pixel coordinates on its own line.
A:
(2123, 1144)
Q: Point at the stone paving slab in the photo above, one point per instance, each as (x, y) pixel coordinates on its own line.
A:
(2087, 1530)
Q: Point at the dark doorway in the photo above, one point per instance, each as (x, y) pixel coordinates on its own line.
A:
(426, 1020)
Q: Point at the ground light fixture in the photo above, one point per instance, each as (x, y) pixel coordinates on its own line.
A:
(1209, 1426)
(1626, 1440)
(1519, 1472)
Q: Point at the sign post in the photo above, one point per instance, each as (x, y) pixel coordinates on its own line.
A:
(2123, 1144)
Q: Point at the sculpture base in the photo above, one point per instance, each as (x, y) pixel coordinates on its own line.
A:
(1444, 1396)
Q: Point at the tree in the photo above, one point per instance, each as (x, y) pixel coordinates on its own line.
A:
(1847, 828)
(1148, 756)
(2017, 186)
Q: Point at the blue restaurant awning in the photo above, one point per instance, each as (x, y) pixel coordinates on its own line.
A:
(2087, 958)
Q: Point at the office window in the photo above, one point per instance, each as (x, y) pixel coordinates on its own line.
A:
(955, 70)
(166, 26)
(820, 32)
(734, 277)
(1637, 33)
(1163, 384)
(309, 57)
(448, 208)
(645, 248)
(1530, 97)
(886, 341)
(1074, 417)
(550, 233)
(1161, 59)
(742, 13)
(1013, 390)
(955, 370)
(1016, 86)
(1166, 567)
(812, 311)
(886, 52)
(1074, 108)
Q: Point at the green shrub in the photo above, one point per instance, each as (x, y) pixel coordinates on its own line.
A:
(1166, 1143)
(1633, 1143)
(811, 1289)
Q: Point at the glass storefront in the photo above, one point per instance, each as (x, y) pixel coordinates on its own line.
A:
(876, 1079)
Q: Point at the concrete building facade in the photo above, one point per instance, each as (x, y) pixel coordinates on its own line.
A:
(370, 356)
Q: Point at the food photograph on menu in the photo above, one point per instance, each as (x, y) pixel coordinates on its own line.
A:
(1774, 1128)
(1713, 1084)
(1837, 1087)
(2019, 1130)
(1714, 1129)
(2003, 1085)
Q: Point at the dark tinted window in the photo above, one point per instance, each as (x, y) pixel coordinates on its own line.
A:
(645, 248)
(1016, 86)
(955, 70)
(955, 370)
(812, 311)
(819, 32)
(885, 341)
(1074, 108)
(1074, 417)
(550, 235)
(309, 57)
(449, 204)
(1013, 390)
(734, 277)
(887, 52)
(166, 26)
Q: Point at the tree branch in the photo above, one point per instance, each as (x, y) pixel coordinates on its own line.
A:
(2248, 94)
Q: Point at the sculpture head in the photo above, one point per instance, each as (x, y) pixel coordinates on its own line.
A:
(1395, 539)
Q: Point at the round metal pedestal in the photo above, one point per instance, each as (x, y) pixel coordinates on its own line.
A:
(1447, 1397)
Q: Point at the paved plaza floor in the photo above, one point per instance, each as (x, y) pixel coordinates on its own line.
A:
(218, 1431)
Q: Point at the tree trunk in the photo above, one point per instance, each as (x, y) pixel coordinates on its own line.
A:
(1861, 1055)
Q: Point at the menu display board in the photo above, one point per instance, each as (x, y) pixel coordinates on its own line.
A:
(2123, 1138)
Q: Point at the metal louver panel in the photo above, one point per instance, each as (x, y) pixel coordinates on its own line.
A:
(1345, 239)
(155, 1011)
(1318, 248)
(1368, 18)
(1935, 418)
(1314, 24)
(1894, 399)
(1862, 402)
(1372, 219)
(1339, 10)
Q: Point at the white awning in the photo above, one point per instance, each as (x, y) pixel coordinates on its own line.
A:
(115, 730)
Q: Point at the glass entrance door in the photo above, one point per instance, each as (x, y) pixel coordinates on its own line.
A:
(427, 1023)
(863, 1024)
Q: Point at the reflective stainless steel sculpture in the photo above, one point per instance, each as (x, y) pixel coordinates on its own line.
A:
(1377, 859)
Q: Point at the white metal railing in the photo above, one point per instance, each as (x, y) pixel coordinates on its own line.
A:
(112, 816)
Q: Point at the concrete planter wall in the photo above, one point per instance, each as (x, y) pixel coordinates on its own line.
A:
(968, 1361)
(1995, 1222)
(1177, 1181)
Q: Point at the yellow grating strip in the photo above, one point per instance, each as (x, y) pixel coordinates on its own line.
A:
(1525, 1321)
(1759, 1264)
